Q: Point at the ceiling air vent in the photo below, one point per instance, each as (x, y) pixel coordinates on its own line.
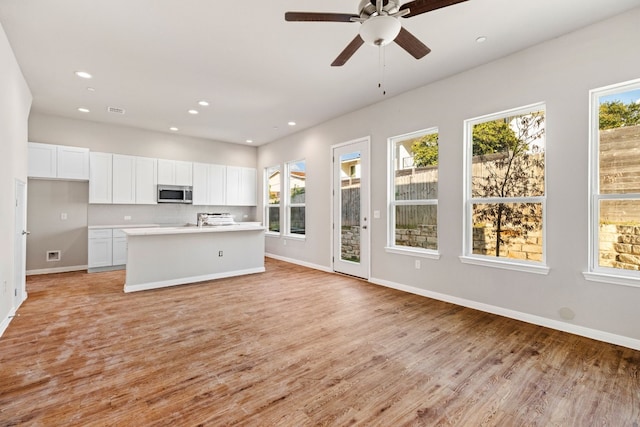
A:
(115, 110)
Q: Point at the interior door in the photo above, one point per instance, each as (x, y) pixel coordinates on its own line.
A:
(351, 208)
(20, 244)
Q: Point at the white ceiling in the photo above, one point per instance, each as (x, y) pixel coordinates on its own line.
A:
(157, 58)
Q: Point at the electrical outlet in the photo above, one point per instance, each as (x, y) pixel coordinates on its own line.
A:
(376, 214)
(63, 216)
(417, 264)
(284, 242)
(219, 253)
(127, 217)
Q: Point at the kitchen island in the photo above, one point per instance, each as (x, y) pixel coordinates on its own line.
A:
(167, 256)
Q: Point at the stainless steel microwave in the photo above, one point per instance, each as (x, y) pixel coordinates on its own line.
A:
(175, 194)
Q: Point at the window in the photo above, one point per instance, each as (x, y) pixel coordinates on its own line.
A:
(272, 208)
(505, 189)
(615, 187)
(413, 198)
(296, 181)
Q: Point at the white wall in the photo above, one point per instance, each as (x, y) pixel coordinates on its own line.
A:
(108, 138)
(15, 102)
(560, 73)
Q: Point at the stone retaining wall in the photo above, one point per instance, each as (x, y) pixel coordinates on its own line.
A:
(619, 246)
(350, 249)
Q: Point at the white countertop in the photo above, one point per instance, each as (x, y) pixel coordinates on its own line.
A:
(191, 229)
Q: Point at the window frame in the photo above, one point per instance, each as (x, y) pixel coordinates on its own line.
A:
(596, 272)
(267, 205)
(468, 257)
(392, 203)
(287, 202)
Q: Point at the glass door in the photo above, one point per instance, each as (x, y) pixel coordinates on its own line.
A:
(351, 208)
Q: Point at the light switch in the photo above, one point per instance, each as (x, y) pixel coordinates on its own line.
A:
(376, 214)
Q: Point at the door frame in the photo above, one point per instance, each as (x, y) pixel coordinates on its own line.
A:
(20, 244)
(364, 208)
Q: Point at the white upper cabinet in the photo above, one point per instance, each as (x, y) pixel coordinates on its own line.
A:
(241, 186)
(58, 162)
(175, 172)
(184, 173)
(100, 179)
(121, 179)
(73, 163)
(42, 160)
(124, 179)
(146, 181)
(209, 184)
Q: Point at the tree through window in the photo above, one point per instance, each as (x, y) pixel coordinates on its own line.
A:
(506, 185)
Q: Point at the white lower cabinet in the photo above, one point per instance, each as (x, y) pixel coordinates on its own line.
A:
(107, 247)
(100, 248)
(119, 247)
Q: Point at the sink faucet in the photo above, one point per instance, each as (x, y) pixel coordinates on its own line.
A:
(202, 218)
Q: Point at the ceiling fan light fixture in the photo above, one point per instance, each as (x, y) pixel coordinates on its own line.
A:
(380, 30)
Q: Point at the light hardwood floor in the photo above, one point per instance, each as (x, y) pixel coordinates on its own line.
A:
(295, 347)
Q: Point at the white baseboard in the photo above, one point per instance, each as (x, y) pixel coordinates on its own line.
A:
(525, 317)
(189, 280)
(57, 270)
(5, 322)
(298, 262)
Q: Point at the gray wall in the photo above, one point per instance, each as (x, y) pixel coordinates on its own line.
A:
(15, 102)
(559, 72)
(48, 199)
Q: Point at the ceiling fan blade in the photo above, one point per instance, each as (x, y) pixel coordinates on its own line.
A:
(416, 7)
(411, 44)
(348, 51)
(319, 16)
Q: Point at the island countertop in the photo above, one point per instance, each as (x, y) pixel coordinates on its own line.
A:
(191, 229)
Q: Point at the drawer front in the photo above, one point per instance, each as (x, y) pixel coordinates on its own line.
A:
(100, 233)
(117, 232)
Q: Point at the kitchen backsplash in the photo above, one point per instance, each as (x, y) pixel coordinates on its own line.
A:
(164, 214)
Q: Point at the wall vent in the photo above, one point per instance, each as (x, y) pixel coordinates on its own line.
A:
(115, 110)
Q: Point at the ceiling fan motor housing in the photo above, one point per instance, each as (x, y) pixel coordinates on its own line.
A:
(368, 8)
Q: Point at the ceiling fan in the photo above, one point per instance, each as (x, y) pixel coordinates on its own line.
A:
(380, 24)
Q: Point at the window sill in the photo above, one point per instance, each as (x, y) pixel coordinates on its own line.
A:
(612, 279)
(506, 265)
(271, 234)
(422, 253)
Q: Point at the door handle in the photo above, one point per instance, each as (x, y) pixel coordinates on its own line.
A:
(364, 227)
(25, 232)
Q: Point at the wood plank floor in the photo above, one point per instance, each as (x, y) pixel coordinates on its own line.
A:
(295, 347)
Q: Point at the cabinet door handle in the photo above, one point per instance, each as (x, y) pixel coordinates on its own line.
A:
(25, 232)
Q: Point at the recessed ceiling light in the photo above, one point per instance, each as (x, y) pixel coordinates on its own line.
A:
(291, 123)
(91, 89)
(83, 110)
(203, 103)
(193, 112)
(83, 74)
(174, 129)
(249, 141)
(481, 39)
